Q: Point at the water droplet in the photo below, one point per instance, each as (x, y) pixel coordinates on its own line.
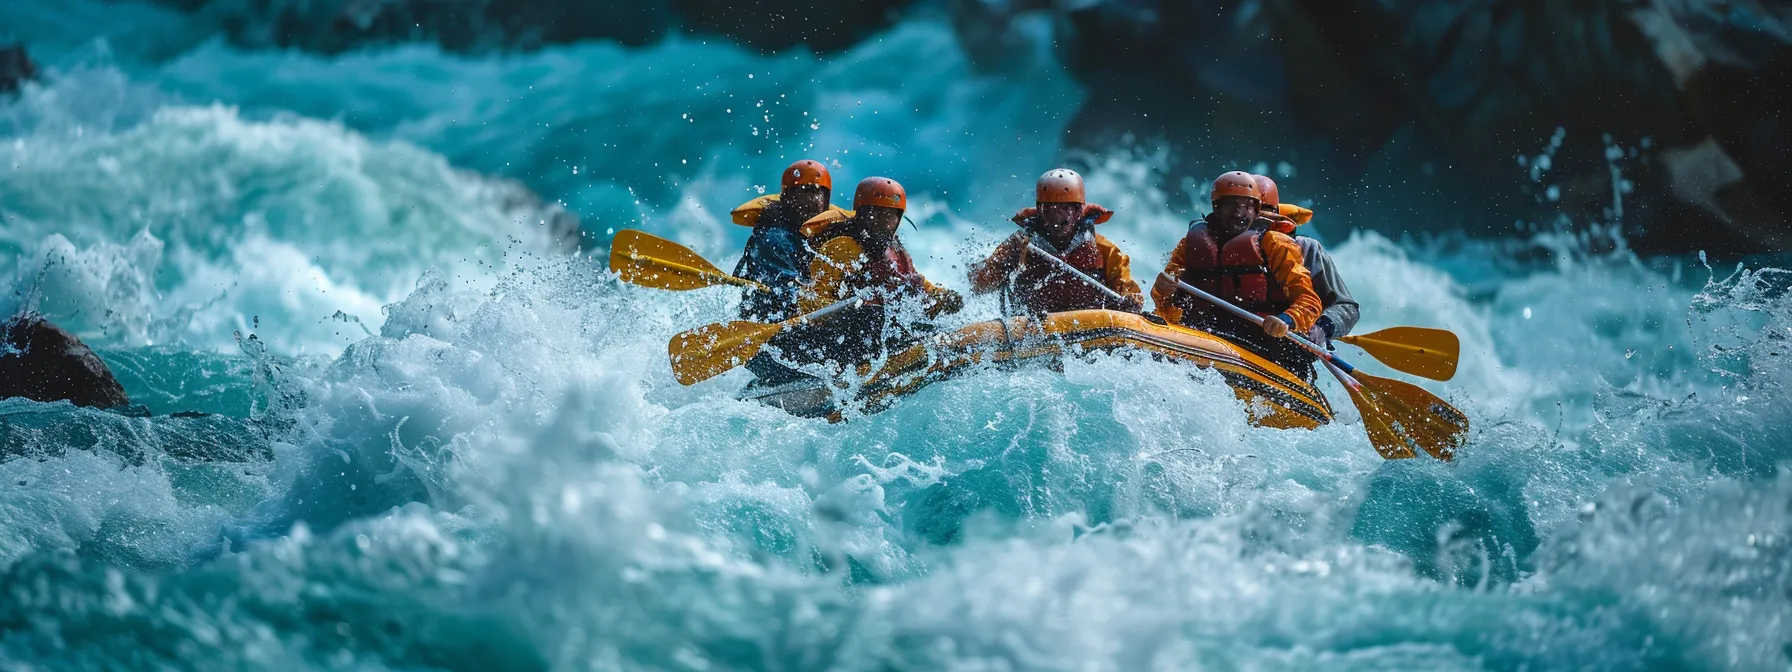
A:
(1527, 312)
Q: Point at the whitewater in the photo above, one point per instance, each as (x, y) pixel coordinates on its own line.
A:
(447, 437)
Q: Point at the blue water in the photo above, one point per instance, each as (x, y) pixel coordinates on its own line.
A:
(447, 442)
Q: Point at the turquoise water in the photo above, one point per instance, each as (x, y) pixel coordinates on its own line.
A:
(447, 442)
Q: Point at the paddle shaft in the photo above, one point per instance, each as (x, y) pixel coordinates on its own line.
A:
(1333, 363)
(1065, 265)
(825, 312)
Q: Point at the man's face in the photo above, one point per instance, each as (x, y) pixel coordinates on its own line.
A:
(1236, 213)
(881, 219)
(1059, 218)
(808, 200)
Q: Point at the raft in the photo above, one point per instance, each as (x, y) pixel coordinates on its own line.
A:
(1274, 396)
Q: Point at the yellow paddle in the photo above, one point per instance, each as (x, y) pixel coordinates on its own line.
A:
(1400, 417)
(1428, 353)
(707, 352)
(650, 261)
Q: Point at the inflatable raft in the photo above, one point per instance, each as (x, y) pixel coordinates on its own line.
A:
(1274, 396)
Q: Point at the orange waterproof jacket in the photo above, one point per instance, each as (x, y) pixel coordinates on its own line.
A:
(841, 269)
(1280, 255)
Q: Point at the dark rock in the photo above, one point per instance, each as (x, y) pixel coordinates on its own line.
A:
(41, 362)
(774, 25)
(332, 26)
(1409, 115)
(16, 68)
(1702, 87)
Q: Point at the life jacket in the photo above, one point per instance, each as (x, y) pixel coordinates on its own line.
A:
(1235, 270)
(1298, 214)
(747, 214)
(888, 266)
(830, 220)
(1043, 287)
(1286, 218)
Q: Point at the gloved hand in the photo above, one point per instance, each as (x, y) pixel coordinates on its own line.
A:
(946, 302)
(1013, 249)
(1320, 335)
(1275, 327)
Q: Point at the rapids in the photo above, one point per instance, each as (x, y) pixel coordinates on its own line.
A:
(443, 441)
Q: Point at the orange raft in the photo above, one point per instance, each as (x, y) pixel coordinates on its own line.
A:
(1274, 396)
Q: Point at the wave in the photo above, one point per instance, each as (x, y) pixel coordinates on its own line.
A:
(463, 448)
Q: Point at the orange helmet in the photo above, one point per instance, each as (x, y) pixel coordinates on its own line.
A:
(1271, 198)
(879, 191)
(1060, 185)
(1236, 183)
(807, 171)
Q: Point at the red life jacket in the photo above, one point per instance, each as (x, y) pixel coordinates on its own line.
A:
(1042, 287)
(1235, 271)
(891, 270)
(894, 267)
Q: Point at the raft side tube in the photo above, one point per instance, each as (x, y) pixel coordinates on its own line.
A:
(1276, 397)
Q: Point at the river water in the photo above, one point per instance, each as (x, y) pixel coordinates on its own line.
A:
(445, 441)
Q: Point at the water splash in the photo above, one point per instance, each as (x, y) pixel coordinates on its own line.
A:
(503, 474)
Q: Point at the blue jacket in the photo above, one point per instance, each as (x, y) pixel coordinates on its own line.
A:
(778, 257)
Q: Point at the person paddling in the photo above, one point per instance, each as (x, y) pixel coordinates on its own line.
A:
(1062, 224)
(1258, 270)
(1341, 310)
(861, 258)
(776, 255)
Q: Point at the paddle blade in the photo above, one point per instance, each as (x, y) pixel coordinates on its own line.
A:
(1429, 353)
(1402, 417)
(707, 352)
(650, 261)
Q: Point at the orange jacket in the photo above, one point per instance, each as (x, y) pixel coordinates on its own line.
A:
(1282, 256)
(841, 269)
